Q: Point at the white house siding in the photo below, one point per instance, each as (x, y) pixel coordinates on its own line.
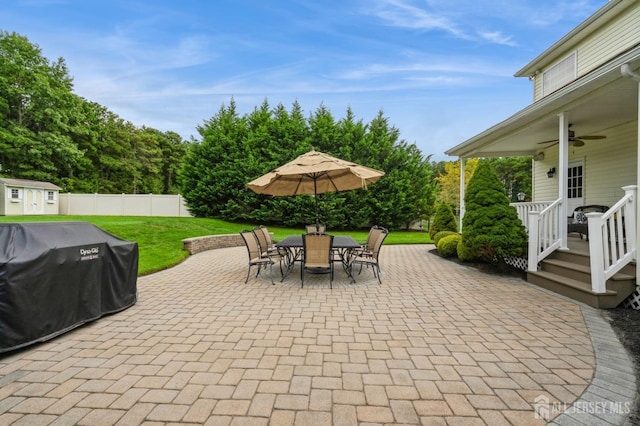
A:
(620, 34)
(537, 87)
(609, 164)
(545, 189)
(613, 164)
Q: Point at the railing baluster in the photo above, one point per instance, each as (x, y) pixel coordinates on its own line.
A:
(612, 245)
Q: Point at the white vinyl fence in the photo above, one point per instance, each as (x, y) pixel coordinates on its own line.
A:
(123, 205)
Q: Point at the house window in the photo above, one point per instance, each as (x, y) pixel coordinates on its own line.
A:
(51, 196)
(575, 182)
(559, 75)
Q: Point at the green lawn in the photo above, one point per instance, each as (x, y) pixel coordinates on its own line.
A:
(160, 238)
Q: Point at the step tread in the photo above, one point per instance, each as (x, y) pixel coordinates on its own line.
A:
(568, 265)
(569, 282)
(620, 276)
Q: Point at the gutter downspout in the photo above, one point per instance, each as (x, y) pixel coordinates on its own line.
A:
(627, 72)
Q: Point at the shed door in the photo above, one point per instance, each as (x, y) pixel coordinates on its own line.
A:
(34, 201)
(575, 184)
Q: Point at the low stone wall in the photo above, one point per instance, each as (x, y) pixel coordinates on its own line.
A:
(208, 242)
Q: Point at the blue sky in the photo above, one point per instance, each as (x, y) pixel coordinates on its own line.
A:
(440, 70)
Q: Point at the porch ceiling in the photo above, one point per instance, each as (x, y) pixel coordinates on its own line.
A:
(594, 103)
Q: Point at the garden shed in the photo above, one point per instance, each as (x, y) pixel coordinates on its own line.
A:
(28, 197)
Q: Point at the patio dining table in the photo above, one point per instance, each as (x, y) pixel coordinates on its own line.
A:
(342, 246)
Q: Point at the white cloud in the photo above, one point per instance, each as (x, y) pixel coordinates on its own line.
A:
(498, 38)
(401, 14)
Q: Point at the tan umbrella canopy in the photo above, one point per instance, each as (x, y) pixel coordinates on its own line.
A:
(314, 173)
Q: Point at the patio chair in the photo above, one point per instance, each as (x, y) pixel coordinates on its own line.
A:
(577, 222)
(316, 255)
(266, 242)
(367, 247)
(256, 258)
(315, 228)
(372, 257)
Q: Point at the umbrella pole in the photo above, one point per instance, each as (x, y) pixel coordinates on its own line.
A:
(315, 197)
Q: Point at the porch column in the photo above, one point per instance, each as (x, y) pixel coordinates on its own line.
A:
(628, 73)
(463, 162)
(563, 167)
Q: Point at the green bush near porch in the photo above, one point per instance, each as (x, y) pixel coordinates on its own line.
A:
(443, 220)
(491, 228)
(440, 235)
(447, 246)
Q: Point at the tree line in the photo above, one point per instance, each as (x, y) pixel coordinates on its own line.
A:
(48, 133)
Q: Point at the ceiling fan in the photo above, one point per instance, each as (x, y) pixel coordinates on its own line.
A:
(576, 141)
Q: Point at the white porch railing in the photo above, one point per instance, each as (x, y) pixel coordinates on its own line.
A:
(523, 210)
(544, 235)
(612, 239)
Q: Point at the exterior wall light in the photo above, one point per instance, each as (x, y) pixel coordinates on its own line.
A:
(551, 173)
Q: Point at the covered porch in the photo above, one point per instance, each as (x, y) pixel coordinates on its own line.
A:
(572, 272)
(583, 139)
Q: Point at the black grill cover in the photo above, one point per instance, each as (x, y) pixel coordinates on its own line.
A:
(55, 276)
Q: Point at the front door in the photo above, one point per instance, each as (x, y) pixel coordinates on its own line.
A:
(575, 184)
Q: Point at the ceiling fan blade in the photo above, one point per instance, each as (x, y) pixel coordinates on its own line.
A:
(577, 142)
(551, 141)
(592, 138)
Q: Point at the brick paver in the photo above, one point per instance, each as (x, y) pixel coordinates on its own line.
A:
(435, 343)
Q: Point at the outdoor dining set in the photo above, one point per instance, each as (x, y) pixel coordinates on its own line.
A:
(315, 250)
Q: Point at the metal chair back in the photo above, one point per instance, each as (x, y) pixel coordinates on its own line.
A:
(253, 247)
(377, 245)
(315, 228)
(256, 256)
(264, 238)
(316, 254)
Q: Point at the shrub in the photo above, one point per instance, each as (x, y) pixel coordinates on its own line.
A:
(447, 246)
(443, 220)
(491, 228)
(463, 252)
(441, 235)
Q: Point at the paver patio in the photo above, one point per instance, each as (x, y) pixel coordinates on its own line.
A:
(436, 343)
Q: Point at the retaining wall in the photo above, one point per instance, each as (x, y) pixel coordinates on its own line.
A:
(208, 242)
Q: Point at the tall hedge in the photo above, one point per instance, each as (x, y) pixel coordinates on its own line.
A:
(491, 228)
(237, 149)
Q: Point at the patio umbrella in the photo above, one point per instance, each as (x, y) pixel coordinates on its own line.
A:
(314, 173)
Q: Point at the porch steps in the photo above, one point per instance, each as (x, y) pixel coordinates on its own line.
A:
(568, 273)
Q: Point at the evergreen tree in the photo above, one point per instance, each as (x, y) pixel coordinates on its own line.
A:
(491, 228)
(236, 150)
(443, 220)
